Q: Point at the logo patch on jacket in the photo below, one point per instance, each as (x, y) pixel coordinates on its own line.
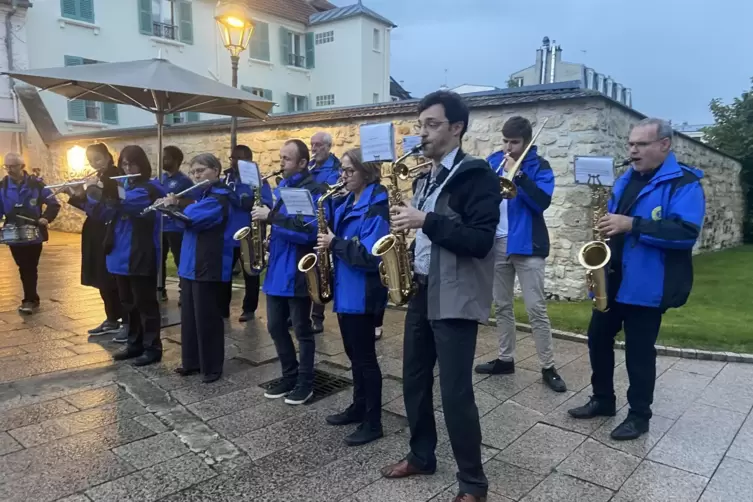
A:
(32, 202)
(355, 239)
(172, 184)
(656, 213)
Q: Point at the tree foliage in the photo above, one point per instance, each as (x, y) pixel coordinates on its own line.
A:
(732, 133)
(511, 82)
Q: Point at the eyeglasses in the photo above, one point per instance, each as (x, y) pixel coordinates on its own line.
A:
(431, 125)
(347, 172)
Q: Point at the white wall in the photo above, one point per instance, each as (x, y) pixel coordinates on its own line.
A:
(339, 63)
(376, 63)
(12, 120)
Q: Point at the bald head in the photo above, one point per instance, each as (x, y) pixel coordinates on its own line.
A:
(14, 164)
(321, 144)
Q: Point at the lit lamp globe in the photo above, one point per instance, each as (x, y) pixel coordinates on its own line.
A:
(76, 157)
(235, 25)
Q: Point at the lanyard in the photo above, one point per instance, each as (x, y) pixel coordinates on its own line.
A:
(434, 183)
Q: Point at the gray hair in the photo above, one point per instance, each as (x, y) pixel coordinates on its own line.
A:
(207, 160)
(326, 137)
(663, 128)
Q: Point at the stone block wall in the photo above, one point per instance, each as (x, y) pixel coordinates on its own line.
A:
(591, 126)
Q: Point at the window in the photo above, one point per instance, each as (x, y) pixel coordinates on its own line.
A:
(518, 81)
(82, 10)
(182, 118)
(297, 50)
(86, 110)
(326, 100)
(297, 103)
(325, 38)
(259, 46)
(377, 40)
(170, 19)
(258, 91)
(376, 97)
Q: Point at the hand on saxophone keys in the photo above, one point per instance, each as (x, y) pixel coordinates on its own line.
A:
(260, 213)
(406, 218)
(324, 241)
(613, 224)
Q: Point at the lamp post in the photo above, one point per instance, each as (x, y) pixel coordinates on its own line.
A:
(235, 25)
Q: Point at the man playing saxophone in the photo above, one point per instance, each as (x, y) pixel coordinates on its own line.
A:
(291, 237)
(521, 247)
(455, 210)
(653, 221)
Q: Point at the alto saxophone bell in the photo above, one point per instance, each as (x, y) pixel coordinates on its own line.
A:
(241, 234)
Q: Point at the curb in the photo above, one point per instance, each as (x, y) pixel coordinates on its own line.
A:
(706, 355)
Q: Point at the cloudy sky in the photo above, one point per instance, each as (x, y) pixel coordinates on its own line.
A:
(675, 55)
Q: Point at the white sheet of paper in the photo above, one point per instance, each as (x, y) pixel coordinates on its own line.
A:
(594, 170)
(410, 142)
(378, 142)
(121, 192)
(249, 173)
(298, 201)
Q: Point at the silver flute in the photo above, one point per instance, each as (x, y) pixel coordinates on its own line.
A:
(160, 204)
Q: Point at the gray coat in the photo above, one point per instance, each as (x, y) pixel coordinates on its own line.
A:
(462, 229)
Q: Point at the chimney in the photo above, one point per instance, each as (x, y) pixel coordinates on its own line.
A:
(544, 52)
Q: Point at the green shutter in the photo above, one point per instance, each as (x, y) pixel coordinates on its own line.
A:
(285, 48)
(246, 88)
(267, 94)
(305, 103)
(68, 8)
(185, 21)
(109, 113)
(291, 103)
(259, 45)
(86, 10)
(192, 116)
(145, 17)
(309, 50)
(77, 110)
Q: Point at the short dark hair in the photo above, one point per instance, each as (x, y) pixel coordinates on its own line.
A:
(175, 153)
(247, 153)
(518, 127)
(455, 108)
(303, 150)
(371, 171)
(134, 154)
(102, 149)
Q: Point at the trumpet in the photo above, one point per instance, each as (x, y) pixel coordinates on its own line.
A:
(506, 185)
(405, 173)
(162, 203)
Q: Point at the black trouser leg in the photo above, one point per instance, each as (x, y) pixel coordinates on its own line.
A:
(189, 337)
(111, 299)
(278, 312)
(641, 330)
(227, 295)
(27, 259)
(602, 329)
(209, 326)
(367, 377)
(455, 341)
(317, 313)
(379, 318)
(171, 242)
(419, 357)
(143, 312)
(251, 298)
(130, 314)
(300, 307)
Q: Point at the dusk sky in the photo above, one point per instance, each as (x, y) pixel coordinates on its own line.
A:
(675, 55)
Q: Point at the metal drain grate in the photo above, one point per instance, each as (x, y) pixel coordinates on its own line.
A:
(325, 384)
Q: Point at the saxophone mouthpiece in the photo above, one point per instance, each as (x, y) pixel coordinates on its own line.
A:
(625, 162)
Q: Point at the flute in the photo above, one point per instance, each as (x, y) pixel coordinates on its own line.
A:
(157, 205)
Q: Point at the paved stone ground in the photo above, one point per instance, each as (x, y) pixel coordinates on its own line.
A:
(74, 426)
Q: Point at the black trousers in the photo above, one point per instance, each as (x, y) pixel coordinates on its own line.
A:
(111, 299)
(279, 309)
(379, 318)
(141, 312)
(317, 313)
(250, 298)
(641, 325)
(172, 242)
(27, 259)
(360, 346)
(453, 343)
(202, 329)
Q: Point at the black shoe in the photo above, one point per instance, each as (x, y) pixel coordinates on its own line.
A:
(317, 327)
(27, 308)
(290, 323)
(282, 389)
(246, 316)
(300, 395)
(180, 370)
(632, 428)
(349, 416)
(122, 336)
(127, 353)
(146, 359)
(162, 295)
(211, 377)
(364, 434)
(496, 367)
(106, 328)
(553, 380)
(594, 408)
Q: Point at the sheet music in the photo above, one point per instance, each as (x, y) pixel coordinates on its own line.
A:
(594, 170)
(298, 201)
(249, 173)
(410, 142)
(121, 192)
(378, 142)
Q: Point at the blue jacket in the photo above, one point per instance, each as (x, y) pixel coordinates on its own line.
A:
(174, 183)
(526, 229)
(358, 288)
(27, 199)
(657, 266)
(290, 239)
(328, 173)
(133, 244)
(207, 250)
(245, 195)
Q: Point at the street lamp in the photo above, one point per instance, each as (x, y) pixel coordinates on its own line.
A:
(235, 25)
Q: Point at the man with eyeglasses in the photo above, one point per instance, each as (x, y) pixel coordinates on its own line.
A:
(455, 210)
(22, 198)
(654, 220)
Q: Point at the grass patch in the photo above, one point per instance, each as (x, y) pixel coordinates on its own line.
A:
(718, 315)
(172, 271)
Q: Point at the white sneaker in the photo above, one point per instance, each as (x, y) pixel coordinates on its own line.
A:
(378, 333)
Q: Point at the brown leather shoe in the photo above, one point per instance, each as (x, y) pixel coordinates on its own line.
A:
(464, 497)
(403, 469)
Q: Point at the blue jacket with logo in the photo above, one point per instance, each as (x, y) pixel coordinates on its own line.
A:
(357, 226)
(245, 195)
(27, 199)
(290, 239)
(657, 265)
(526, 229)
(175, 183)
(328, 173)
(133, 243)
(207, 250)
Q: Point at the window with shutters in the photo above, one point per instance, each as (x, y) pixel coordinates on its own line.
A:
(297, 54)
(258, 91)
(88, 110)
(325, 37)
(170, 19)
(81, 10)
(325, 100)
(182, 118)
(258, 48)
(297, 103)
(297, 50)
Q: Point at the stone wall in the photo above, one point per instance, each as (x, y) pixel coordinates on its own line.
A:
(591, 126)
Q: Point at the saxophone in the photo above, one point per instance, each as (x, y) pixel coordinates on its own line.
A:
(395, 269)
(317, 267)
(254, 239)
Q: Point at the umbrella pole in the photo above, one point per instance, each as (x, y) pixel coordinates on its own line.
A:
(234, 120)
(160, 217)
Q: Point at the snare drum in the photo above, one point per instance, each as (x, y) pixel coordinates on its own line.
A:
(9, 234)
(29, 233)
